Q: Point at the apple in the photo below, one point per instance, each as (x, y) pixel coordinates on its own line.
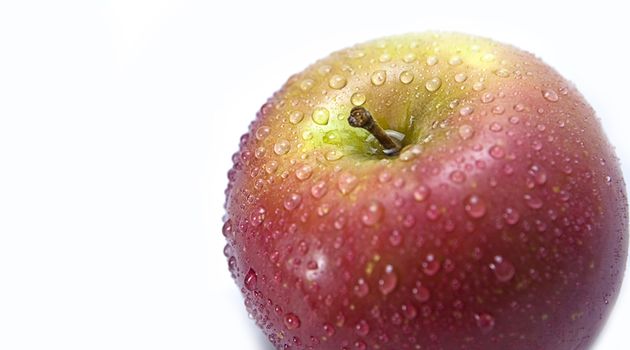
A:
(427, 191)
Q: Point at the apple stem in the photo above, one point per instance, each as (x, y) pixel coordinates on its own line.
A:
(361, 118)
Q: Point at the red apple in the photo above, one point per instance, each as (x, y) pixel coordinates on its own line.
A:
(472, 201)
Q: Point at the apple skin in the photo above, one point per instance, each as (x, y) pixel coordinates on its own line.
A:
(502, 224)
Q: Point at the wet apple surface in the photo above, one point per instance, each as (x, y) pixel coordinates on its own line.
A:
(499, 222)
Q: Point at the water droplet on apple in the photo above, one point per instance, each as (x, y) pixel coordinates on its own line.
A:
(337, 82)
(361, 289)
(262, 132)
(539, 174)
(421, 293)
(458, 176)
(281, 147)
(320, 116)
(519, 107)
(475, 206)
(478, 86)
(250, 280)
(461, 77)
(485, 322)
(304, 172)
(388, 281)
(395, 238)
(307, 135)
(466, 110)
(347, 182)
(433, 84)
(362, 328)
(260, 152)
(319, 189)
(497, 152)
(296, 117)
(385, 57)
(488, 57)
(257, 217)
(410, 57)
(433, 212)
(465, 132)
(271, 167)
(455, 61)
(307, 84)
(430, 266)
(358, 99)
(498, 110)
(372, 214)
(379, 77)
(487, 97)
(292, 201)
(329, 329)
(421, 193)
(550, 95)
(503, 269)
(511, 216)
(432, 60)
(533, 201)
(502, 72)
(333, 155)
(324, 69)
(228, 228)
(406, 77)
(409, 311)
(291, 321)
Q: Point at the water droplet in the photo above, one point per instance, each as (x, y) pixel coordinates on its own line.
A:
(432, 213)
(432, 60)
(498, 110)
(379, 77)
(395, 238)
(347, 182)
(497, 152)
(250, 280)
(475, 206)
(487, 57)
(271, 167)
(260, 152)
(539, 174)
(533, 201)
(372, 214)
(319, 189)
(550, 95)
(410, 57)
(465, 131)
(487, 97)
(466, 110)
(478, 86)
(421, 193)
(292, 201)
(502, 72)
(307, 84)
(307, 135)
(329, 329)
(431, 266)
(362, 328)
(320, 116)
(409, 311)
(495, 127)
(519, 107)
(262, 132)
(406, 77)
(337, 82)
(503, 269)
(421, 293)
(281, 147)
(333, 155)
(433, 84)
(358, 99)
(485, 322)
(296, 117)
(461, 77)
(324, 69)
(257, 217)
(455, 61)
(385, 57)
(291, 321)
(361, 289)
(511, 216)
(388, 282)
(304, 172)
(458, 176)
(227, 228)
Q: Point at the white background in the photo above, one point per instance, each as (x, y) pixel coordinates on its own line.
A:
(118, 120)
